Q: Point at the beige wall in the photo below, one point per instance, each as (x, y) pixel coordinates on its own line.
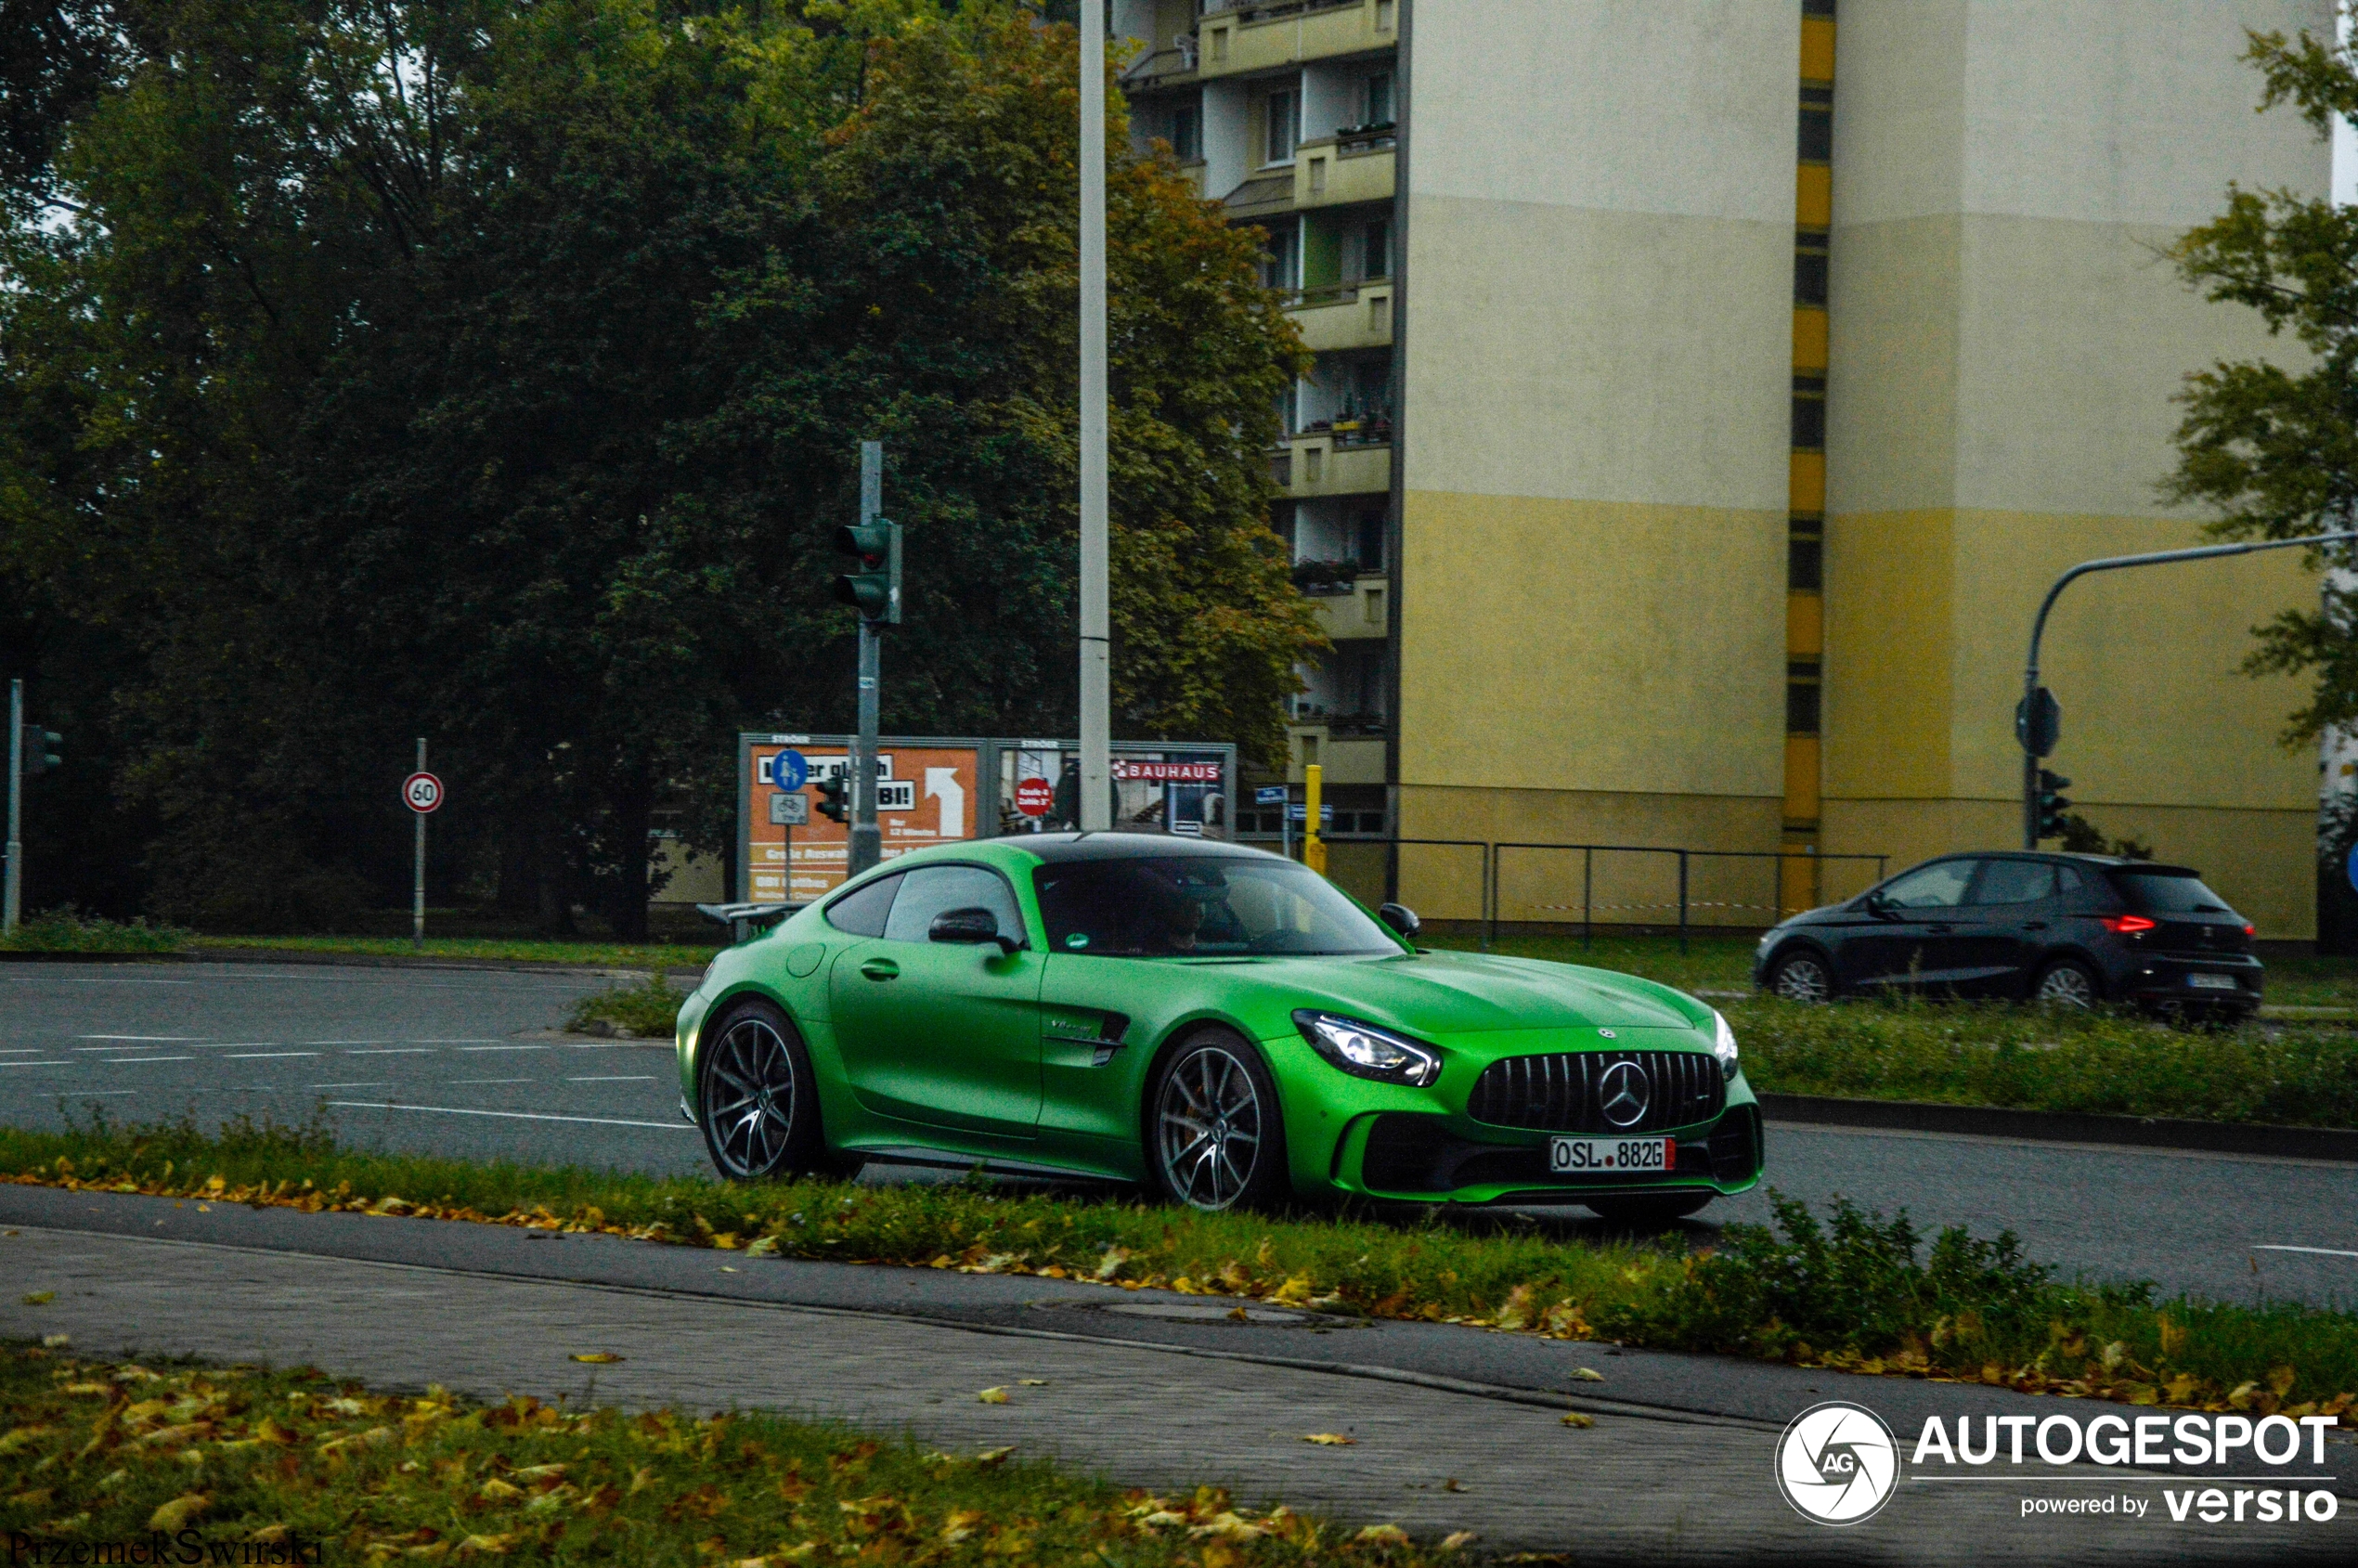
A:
(2005, 345)
(1599, 238)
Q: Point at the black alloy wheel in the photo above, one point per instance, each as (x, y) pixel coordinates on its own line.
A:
(1215, 1139)
(760, 1108)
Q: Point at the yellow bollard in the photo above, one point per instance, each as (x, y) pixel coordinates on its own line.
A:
(1314, 845)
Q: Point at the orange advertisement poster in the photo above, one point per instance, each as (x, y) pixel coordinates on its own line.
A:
(924, 796)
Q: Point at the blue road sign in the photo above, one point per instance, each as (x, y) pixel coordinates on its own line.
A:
(1300, 811)
(1269, 794)
(790, 773)
(2351, 867)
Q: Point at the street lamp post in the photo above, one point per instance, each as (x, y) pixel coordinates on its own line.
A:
(2035, 745)
(1096, 726)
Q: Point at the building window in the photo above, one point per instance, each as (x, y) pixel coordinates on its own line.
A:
(1817, 125)
(1370, 533)
(1809, 266)
(1284, 127)
(1375, 252)
(1818, 8)
(1801, 696)
(1186, 132)
(1809, 412)
(1374, 101)
(1280, 264)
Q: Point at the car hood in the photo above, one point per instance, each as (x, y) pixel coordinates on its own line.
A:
(1446, 993)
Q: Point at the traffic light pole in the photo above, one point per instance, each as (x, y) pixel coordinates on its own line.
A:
(14, 894)
(867, 839)
(2032, 751)
(1097, 621)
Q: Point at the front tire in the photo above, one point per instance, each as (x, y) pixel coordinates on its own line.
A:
(1802, 977)
(1649, 1210)
(2068, 983)
(758, 1100)
(1215, 1138)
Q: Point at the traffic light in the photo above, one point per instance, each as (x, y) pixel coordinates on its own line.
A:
(835, 796)
(2052, 803)
(41, 750)
(2038, 723)
(875, 589)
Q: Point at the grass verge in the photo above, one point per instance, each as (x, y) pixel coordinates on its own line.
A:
(646, 1011)
(106, 1452)
(64, 930)
(1856, 1293)
(602, 955)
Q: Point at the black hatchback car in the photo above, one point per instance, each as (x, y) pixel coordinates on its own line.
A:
(2068, 930)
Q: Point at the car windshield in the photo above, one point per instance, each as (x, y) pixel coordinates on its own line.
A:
(1199, 907)
(2160, 893)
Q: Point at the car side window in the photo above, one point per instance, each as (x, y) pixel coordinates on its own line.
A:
(1939, 886)
(863, 910)
(2068, 881)
(934, 891)
(2015, 882)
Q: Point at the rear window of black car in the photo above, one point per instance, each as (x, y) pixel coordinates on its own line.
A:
(2160, 893)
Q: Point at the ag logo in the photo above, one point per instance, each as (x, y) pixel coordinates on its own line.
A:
(1837, 1463)
(1622, 1093)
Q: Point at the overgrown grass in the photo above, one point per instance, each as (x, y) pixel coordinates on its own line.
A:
(594, 954)
(65, 930)
(101, 1451)
(1860, 1293)
(2044, 1059)
(648, 1010)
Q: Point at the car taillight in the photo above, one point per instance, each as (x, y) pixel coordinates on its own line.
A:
(2127, 925)
(2249, 930)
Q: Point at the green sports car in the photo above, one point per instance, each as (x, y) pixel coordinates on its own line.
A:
(1222, 1024)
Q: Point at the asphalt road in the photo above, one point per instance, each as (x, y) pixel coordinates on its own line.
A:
(470, 1063)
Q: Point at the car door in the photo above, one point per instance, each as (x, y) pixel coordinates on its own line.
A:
(1896, 949)
(943, 1033)
(2001, 927)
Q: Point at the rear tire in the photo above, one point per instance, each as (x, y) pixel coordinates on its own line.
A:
(1649, 1210)
(1802, 977)
(1215, 1139)
(757, 1100)
(2068, 983)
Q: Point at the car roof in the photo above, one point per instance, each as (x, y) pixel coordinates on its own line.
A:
(1128, 845)
(2073, 857)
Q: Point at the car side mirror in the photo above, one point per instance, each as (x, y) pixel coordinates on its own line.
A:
(1401, 918)
(1882, 908)
(970, 926)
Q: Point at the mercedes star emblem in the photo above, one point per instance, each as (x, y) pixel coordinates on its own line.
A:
(1622, 1093)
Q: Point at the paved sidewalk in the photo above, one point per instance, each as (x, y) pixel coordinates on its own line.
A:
(1670, 1488)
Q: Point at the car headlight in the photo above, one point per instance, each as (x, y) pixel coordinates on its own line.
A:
(1365, 1051)
(1723, 1045)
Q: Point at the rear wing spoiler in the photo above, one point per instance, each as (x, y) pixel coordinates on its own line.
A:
(747, 921)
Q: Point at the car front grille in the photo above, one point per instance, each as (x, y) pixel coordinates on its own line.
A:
(1563, 1092)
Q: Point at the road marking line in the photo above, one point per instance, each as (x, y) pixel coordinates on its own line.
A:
(512, 1115)
(469, 1082)
(462, 1039)
(401, 1051)
(104, 1093)
(368, 1084)
(2320, 1252)
(640, 1078)
(262, 1055)
(503, 1047)
(87, 980)
(118, 1061)
(36, 1063)
(150, 1039)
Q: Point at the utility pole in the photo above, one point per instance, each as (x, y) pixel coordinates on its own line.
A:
(14, 906)
(2036, 718)
(867, 840)
(1096, 653)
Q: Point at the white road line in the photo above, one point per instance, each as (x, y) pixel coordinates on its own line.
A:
(104, 1093)
(86, 980)
(642, 1078)
(515, 1115)
(37, 1064)
(22, 1051)
(119, 1061)
(463, 1039)
(371, 1083)
(398, 1051)
(2320, 1252)
(469, 1082)
(149, 1039)
(261, 1056)
(503, 1047)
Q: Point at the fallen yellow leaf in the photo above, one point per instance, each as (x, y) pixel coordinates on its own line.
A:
(1587, 1375)
(1331, 1440)
(598, 1357)
(992, 1397)
(1031, 1383)
(1456, 1539)
(56, 1341)
(1384, 1536)
(1577, 1419)
(40, 1298)
(489, 1546)
(497, 1491)
(991, 1457)
(177, 1513)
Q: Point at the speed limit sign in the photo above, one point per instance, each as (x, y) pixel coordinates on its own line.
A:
(421, 793)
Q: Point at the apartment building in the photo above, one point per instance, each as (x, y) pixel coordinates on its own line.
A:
(1707, 391)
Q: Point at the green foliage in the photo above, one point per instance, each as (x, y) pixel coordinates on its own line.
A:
(495, 373)
(67, 930)
(2274, 448)
(2082, 836)
(649, 1010)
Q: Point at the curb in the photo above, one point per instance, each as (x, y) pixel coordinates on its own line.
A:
(340, 960)
(2072, 1127)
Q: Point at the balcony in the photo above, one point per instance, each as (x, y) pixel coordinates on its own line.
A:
(1347, 751)
(1338, 170)
(1349, 610)
(1244, 36)
(1329, 462)
(1347, 316)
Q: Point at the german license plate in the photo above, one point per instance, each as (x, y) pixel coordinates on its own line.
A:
(2212, 982)
(1574, 1157)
